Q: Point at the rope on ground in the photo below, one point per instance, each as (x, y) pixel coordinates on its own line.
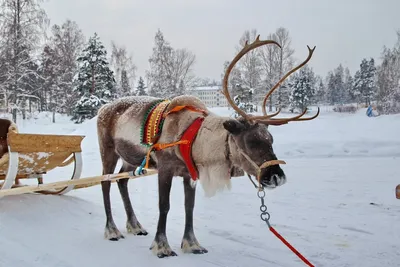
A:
(265, 216)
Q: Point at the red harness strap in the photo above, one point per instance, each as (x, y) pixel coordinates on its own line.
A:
(186, 148)
(185, 143)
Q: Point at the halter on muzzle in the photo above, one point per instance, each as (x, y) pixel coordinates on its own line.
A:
(259, 169)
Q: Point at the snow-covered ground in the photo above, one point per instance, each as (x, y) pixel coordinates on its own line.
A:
(338, 207)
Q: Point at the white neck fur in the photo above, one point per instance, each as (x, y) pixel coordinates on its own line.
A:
(209, 154)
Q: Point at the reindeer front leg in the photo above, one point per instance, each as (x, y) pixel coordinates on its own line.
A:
(189, 242)
(160, 245)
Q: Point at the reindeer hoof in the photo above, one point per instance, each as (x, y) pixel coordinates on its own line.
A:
(142, 233)
(163, 255)
(200, 250)
(192, 246)
(116, 238)
(135, 229)
(112, 234)
(162, 249)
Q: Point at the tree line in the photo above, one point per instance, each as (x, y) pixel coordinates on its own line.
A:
(260, 70)
(57, 68)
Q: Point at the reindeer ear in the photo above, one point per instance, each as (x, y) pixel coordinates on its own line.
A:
(233, 126)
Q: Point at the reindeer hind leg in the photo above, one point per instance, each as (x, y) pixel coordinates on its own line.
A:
(132, 224)
(109, 160)
(111, 231)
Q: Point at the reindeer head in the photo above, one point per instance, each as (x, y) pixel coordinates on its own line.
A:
(249, 134)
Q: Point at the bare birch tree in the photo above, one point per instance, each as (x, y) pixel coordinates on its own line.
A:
(250, 65)
(388, 79)
(67, 41)
(277, 61)
(22, 25)
(171, 70)
(124, 69)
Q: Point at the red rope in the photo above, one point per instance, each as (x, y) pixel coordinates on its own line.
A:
(291, 247)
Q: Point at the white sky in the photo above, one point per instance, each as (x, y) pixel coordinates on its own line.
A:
(344, 31)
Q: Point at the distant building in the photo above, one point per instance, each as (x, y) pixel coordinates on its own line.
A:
(210, 95)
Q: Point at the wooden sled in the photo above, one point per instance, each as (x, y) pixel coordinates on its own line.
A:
(398, 191)
(30, 156)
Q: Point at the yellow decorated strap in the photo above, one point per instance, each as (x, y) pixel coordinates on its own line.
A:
(154, 119)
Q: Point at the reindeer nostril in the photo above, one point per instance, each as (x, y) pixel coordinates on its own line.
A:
(275, 179)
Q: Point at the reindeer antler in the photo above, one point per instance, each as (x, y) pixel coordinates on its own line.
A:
(247, 47)
(272, 121)
(266, 119)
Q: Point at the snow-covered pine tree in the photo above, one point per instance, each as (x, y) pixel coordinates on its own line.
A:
(331, 94)
(141, 88)
(349, 86)
(335, 91)
(302, 88)
(364, 81)
(339, 85)
(244, 99)
(94, 81)
(320, 91)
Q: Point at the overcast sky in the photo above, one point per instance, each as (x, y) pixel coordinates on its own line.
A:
(344, 31)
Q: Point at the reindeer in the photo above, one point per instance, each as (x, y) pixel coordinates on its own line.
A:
(183, 138)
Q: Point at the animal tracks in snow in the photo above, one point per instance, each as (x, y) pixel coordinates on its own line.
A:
(353, 229)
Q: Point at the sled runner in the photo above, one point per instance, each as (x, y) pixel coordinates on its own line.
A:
(30, 156)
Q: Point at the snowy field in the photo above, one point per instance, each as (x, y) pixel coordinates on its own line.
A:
(338, 207)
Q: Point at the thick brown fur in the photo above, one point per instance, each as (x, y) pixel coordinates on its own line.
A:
(217, 153)
(4, 126)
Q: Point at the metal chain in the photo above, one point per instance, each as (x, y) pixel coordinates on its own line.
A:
(265, 216)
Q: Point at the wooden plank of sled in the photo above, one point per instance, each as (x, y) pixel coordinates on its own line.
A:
(81, 181)
(25, 143)
(398, 191)
(25, 176)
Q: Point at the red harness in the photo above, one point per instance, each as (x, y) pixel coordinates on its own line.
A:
(185, 143)
(186, 148)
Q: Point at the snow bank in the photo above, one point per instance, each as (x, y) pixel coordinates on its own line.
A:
(334, 134)
(339, 135)
(335, 208)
